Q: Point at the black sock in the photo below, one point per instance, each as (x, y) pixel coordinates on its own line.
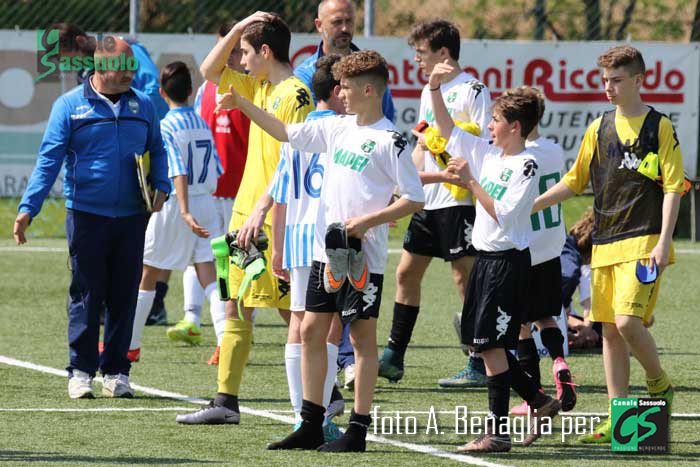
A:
(477, 364)
(354, 438)
(355, 243)
(310, 433)
(553, 340)
(161, 292)
(312, 413)
(529, 359)
(499, 395)
(402, 325)
(226, 400)
(521, 382)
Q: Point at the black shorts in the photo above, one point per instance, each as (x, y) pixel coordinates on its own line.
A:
(441, 233)
(492, 311)
(350, 303)
(544, 291)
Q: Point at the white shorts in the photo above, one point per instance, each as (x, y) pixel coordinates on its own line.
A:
(299, 280)
(170, 244)
(224, 210)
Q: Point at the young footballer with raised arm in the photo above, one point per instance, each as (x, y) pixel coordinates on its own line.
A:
(547, 236)
(264, 40)
(443, 229)
(296, 190)
(632, 158)
(367, 158)
(501, 174)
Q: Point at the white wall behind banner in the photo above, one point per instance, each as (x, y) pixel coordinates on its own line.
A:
(565, 71)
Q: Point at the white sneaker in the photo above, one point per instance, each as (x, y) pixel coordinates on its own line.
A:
(349, 374)
(80, 386)
(210, 414)
(117, 386)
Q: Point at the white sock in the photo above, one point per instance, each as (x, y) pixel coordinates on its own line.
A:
(330, 373)
(217, 308)
(143, 308)
(192, 291)
(292, 362)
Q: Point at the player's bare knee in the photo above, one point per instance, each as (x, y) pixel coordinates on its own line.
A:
(313, 335)
(610, 332)
(408, 278)
(629, 327)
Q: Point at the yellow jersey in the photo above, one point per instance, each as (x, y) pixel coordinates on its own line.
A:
(290, 101)
(670, 166)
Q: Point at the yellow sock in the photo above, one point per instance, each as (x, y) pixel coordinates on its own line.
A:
(658, 385)
(235, 347)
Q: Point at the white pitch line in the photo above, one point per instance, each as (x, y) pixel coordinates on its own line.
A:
(100, 409)
(464, 459)
(485, 412)
(33, 249)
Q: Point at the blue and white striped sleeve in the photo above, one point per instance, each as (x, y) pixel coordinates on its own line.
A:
(176, 162)
(198, 99)
(279, 188)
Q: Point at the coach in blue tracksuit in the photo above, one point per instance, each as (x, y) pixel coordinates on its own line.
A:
(96, 128)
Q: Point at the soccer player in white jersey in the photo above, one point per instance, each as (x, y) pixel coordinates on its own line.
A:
(296, 191)
(177, 235)
(442, 229)
(502, 176)
(547, 236)
(367, 158)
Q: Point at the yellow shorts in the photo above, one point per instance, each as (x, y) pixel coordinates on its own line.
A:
(615, 290)
(266, 292)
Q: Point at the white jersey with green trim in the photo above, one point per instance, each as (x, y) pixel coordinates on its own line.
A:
(547, 230)
(467, 100)
(510, 181)
(363, 165)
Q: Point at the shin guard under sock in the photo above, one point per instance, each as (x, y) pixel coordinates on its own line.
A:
(235, 347)
(529, 359)
(402, 325)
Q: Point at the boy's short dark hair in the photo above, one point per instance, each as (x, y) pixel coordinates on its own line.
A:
(226, 27)
(274, 32)
(176, 81)
(519, 107)
(623, 56)
(365, 63)
(323, 82)
(439, 33)
(530, 91)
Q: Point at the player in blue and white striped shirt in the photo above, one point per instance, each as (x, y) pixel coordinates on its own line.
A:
(177, 235)
(296, 191)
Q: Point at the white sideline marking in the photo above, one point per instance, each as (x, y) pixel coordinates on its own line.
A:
(100, 409)
(464, 459)
(33, 249)
(484, 412)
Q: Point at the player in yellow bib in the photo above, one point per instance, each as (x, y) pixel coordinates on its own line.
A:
(270, 85)
(632, 158)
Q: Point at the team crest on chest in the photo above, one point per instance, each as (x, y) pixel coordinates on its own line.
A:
(505, 175)
(452, 97)
(368, 146)
(133, 106)
(276, 104)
